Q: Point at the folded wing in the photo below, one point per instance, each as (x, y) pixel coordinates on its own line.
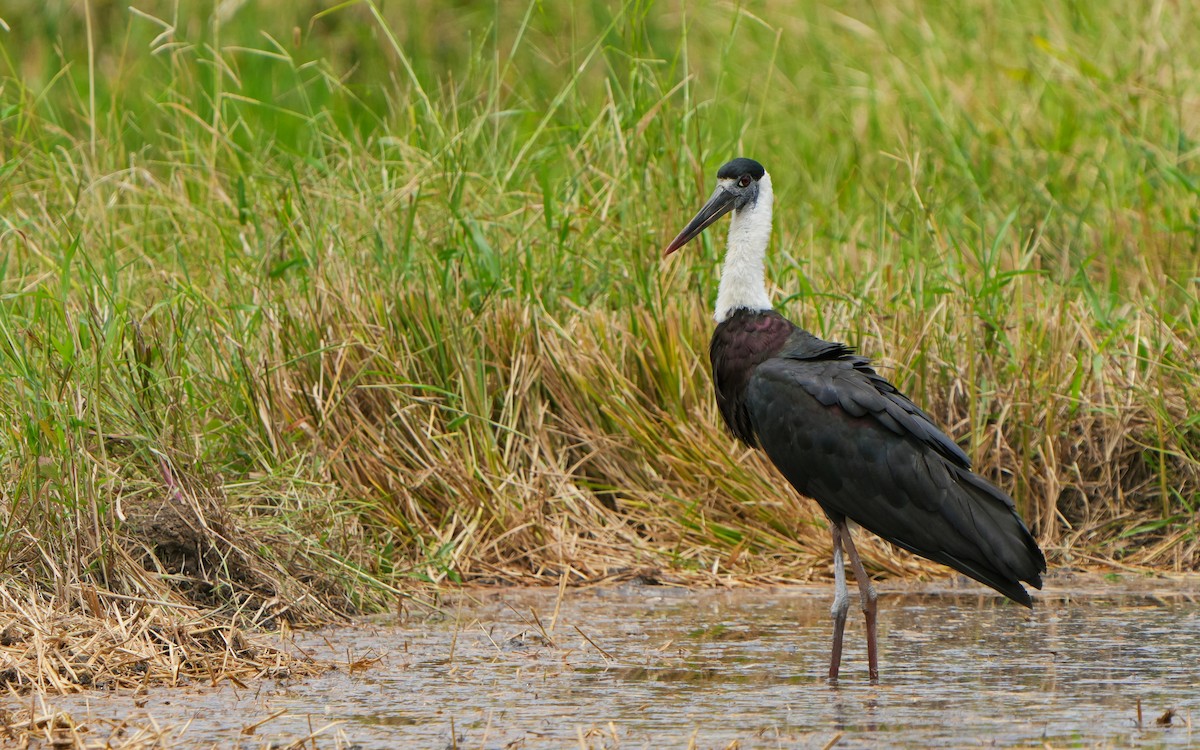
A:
(845, 437)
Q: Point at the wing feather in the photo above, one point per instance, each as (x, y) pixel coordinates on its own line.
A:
(852, 384)
(845, 437)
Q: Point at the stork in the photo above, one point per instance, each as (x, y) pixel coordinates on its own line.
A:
(843, 435)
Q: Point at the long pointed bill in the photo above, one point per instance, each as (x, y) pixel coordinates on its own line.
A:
(719, 204)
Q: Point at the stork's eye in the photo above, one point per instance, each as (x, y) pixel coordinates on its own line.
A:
(744, 181)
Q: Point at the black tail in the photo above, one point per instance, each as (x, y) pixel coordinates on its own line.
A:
(1007, 552)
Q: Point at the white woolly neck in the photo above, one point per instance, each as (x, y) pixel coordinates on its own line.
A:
(743, 277)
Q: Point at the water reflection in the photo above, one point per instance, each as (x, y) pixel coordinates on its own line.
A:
(663, 667)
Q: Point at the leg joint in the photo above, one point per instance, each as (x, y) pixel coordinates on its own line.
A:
(841, 604)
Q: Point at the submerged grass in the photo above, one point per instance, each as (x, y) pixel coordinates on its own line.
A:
(37, 725)
(303, 308)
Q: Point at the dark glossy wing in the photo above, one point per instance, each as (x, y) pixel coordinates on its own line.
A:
(850, 383)
(845, 437)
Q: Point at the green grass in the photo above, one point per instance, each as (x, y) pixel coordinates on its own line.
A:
(372, 295)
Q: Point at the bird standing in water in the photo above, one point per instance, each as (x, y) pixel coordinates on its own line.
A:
(843, 435)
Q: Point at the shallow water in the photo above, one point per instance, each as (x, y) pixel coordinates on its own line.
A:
(653, 666)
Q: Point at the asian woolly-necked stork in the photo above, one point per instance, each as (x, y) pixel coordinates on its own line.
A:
(843, 435)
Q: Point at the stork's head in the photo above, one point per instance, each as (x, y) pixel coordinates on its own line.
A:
(737, 188)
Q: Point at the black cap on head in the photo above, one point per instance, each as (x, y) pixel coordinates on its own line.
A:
(740, 166)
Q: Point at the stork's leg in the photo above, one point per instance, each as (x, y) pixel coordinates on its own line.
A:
(841, 596)
(870, 605)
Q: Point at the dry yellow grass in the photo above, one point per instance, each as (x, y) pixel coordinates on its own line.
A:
(105, 641)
